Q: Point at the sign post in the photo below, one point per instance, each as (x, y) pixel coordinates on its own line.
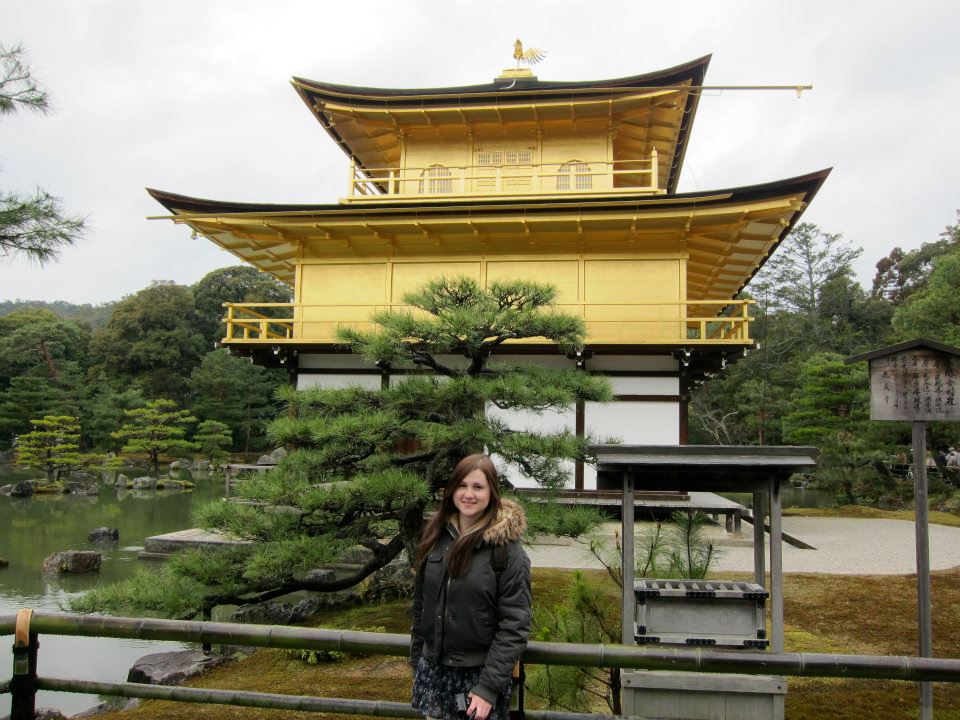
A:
(917, 381)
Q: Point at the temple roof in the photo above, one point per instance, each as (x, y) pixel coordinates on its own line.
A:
(727, 234)
(651, 110)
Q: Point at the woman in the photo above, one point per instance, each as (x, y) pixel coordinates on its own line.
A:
(471, 608)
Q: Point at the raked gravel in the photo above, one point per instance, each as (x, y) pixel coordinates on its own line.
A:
(844, 546)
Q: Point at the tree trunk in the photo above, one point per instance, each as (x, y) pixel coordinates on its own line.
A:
(48, 361)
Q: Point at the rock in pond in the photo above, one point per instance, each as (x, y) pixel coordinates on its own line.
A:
(6, 489)
(104, 534)
(3, 563)
(173, 484)
(24, 488)
(143, 483)
(73, 561)
(181, 464)
(171, 668)
(79, 488)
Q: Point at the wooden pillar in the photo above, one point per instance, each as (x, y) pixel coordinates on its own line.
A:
(23, 683)
(580, 429)
(921, 525)
(628, 609)
(776, 567)
(759, 574)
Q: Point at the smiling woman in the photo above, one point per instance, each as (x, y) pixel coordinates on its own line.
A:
(471, 609)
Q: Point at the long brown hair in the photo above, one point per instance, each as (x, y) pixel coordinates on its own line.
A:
(458, 558)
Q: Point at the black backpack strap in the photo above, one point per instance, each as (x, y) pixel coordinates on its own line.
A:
(498, 559)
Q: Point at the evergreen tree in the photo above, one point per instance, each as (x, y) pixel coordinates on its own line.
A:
(365, 463)
(153, 338)
(236, 392)
(103, 411)
(934, 311)
(33, 226)
(237, 284)
(29, 397)
(156, 429)
(212, 438)
(53, 445)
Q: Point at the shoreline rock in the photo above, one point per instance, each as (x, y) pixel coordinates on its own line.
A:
(172, 668)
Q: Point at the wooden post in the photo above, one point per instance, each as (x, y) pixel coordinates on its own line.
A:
(759, 573)
(917, 380)
(924, 620)
(776, 567)
(627, 612)
(23, 684)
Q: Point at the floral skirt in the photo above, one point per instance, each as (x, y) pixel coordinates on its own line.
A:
(435, 690)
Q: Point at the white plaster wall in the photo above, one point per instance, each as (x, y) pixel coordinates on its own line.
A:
(549, 421)
(333, 382)
(658, 363)
(645, 385)
(633, 423)
(345, 361)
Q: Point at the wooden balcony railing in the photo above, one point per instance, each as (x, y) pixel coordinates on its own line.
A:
(576, 177)
(707, 322)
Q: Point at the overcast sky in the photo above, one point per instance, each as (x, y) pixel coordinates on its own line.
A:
(193, 97)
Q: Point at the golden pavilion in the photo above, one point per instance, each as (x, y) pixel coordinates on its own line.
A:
(574, 183)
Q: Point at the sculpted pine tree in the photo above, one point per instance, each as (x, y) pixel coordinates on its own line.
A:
(52, 445)
(366, 463)
(157, 428)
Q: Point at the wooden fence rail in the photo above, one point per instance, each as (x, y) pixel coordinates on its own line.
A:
(27, 626)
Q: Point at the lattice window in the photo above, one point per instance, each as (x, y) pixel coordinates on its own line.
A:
(436, 180)
(496, 158)
(582, 179)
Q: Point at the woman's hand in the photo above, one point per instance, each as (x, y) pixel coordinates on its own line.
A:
(479, 708)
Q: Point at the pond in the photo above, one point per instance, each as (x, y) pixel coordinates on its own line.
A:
(792, 497)
(33, 528)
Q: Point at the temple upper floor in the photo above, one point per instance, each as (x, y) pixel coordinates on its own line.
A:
(517, 136)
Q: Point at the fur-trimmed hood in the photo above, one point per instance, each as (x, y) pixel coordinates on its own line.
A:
(509, 526)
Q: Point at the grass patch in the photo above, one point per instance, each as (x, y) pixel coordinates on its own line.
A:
(872, 615)
(860, 511)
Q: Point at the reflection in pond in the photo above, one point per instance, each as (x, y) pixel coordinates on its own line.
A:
(33, 528)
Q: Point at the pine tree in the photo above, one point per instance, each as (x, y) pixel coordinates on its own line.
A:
(33, 226)
(212, 438)
(365, 464)
(157, 428)
(52, 445)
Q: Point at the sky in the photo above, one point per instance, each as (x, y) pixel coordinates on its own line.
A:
(193, 97)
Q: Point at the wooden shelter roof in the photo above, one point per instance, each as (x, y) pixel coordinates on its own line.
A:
(655, 109)
(727, 234)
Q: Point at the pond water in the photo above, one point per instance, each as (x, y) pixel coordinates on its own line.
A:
(33, 528)
(791, 497)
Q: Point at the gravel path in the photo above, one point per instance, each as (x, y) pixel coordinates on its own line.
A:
(845, 546)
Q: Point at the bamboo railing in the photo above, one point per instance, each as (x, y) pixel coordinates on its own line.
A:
(27, 626)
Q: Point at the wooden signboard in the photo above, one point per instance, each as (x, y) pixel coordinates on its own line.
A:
(917, 381)
(915, 384)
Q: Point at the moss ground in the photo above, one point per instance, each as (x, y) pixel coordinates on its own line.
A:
(825, 613)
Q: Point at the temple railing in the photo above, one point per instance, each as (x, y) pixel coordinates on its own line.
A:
(27, 626)
(709, 322)
(640, 175)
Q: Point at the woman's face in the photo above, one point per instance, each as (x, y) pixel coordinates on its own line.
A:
(471, 497)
